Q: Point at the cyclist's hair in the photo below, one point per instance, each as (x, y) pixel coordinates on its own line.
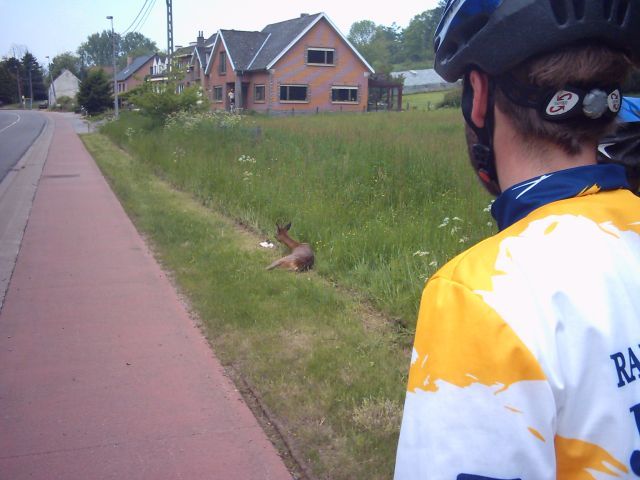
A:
(577, 65)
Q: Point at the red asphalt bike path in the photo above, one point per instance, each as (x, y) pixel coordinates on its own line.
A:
(103, 374)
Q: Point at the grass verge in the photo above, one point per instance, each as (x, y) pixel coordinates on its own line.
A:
(327, 367)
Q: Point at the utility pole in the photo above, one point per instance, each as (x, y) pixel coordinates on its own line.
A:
(30, 90)
(115, 81)
(53, 87)
(169, 32)
(19, 87)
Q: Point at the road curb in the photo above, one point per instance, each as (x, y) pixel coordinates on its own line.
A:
(17, 192)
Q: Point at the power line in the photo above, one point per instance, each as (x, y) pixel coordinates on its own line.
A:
(134, 20)
(144, 17)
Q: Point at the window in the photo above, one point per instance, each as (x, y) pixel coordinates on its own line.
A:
(217, 94)
(258, 93)
(293, 93)
(344, 94)
(320, 56)
(222, 69)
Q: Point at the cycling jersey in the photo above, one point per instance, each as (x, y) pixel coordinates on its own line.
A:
(527, 345)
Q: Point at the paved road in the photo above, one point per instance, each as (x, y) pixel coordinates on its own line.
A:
(18, 130)
(103, 374)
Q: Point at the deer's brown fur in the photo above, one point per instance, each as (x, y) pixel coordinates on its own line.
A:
(301, 257)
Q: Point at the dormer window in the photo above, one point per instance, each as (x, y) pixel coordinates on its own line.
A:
(320, 56)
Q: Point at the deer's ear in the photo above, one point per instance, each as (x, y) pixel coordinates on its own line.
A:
(288, 226)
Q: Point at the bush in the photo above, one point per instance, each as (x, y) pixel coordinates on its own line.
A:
(452, 99)
(65, 103)
(95, 92)
(161, 101)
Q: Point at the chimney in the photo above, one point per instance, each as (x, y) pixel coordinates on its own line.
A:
(200, 41)
(302, 15)
(129, 60)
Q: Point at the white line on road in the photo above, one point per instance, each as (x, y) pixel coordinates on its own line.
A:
(11, 124)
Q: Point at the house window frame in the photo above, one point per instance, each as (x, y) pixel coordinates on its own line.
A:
(346, 87)
(288, 85)
(217, 94)
(321, 49)
(222, 68)
(263, 87)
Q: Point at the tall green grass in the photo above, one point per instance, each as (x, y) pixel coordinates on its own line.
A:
(384, 199)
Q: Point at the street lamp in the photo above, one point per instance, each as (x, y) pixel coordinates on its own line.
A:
(52, 87)
(115, 81)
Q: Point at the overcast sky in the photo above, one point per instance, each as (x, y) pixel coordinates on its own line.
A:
(50, 27)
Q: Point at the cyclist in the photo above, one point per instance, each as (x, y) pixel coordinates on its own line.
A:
(527, 345)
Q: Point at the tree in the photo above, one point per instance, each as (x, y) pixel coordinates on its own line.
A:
(8, 85)
(14, 79)
(135, 44)
(385, 48)
(415, 39)
(95, 93)
(159, 102)
(97, 50)
(361, 33)
(33, 79)
(66, 60)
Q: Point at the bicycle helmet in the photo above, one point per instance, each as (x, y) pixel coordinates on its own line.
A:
(623, 146)
(494, 36)
(497, 35)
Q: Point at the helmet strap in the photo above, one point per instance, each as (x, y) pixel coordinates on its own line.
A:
(482, 153)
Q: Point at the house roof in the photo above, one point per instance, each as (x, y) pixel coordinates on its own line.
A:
(261, 50)
(201, 52)
(419, 77)
(135, 65)
(242, 47)
(183, 51)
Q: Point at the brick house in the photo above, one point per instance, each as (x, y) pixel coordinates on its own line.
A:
(302, 65)
(192, 61)
(146, 67)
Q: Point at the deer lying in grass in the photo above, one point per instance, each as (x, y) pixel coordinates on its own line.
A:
(301, 257)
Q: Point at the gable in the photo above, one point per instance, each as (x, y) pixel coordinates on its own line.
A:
(321, 35)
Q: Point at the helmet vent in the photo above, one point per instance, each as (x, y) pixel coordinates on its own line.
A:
(473, 26)
(621, 14)
(578, 9)
(616, 10)
(559, 9)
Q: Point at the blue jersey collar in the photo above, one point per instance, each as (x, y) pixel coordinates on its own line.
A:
(521, 199)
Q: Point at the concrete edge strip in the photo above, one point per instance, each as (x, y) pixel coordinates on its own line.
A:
(17, 193)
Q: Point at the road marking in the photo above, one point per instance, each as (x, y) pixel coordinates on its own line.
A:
(11, 124)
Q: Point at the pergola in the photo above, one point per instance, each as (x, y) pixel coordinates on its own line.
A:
(385, 92)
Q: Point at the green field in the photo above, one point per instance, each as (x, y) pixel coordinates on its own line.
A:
(422, 101)
(384, 199)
